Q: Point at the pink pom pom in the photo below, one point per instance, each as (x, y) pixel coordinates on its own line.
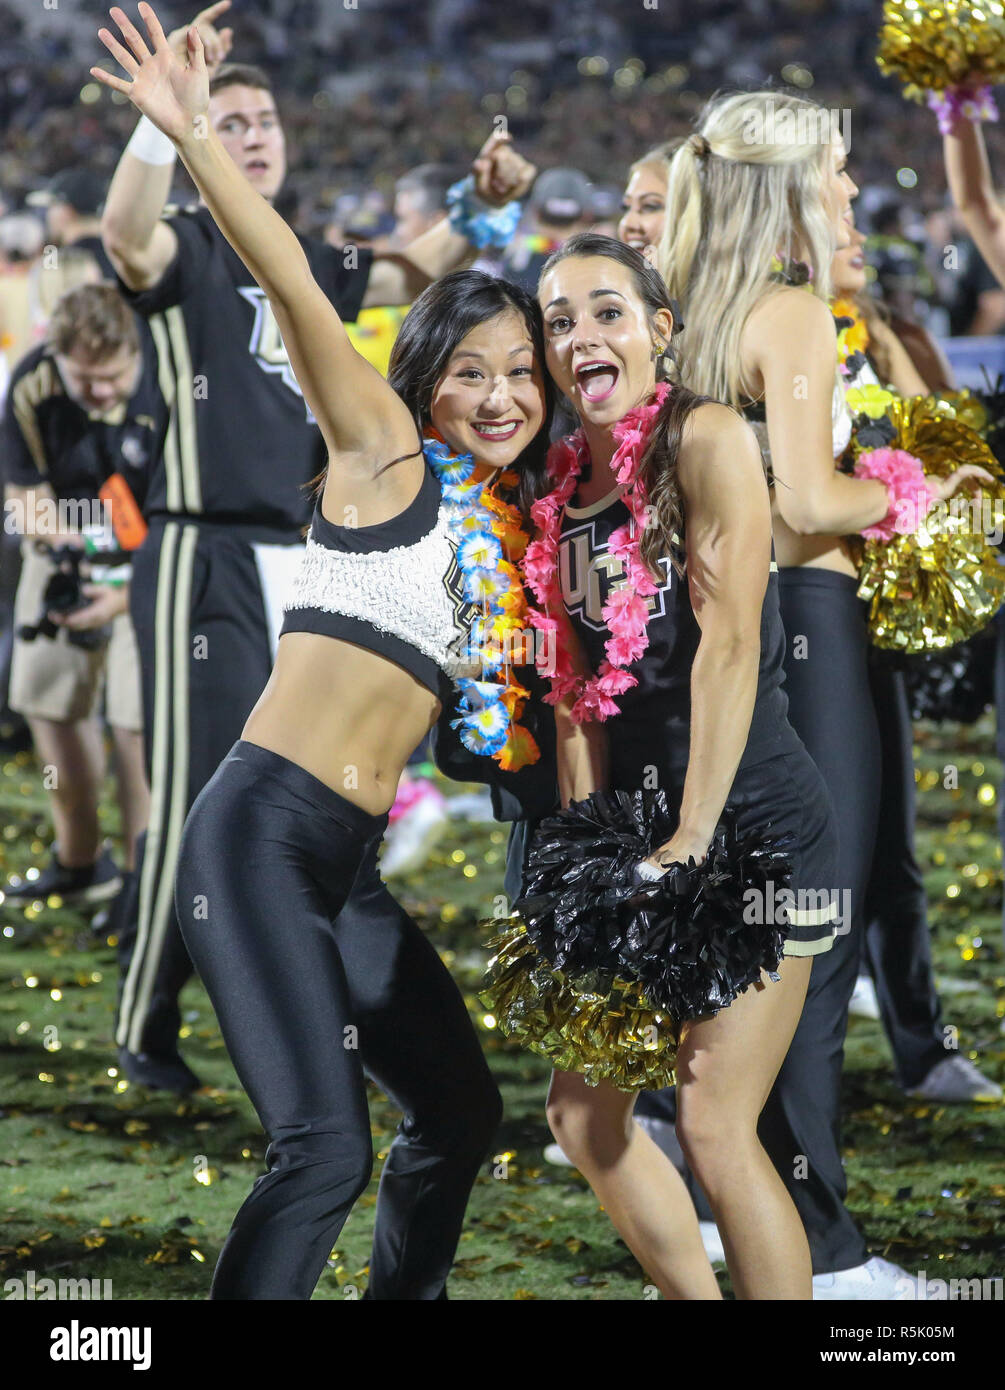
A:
(910, 494)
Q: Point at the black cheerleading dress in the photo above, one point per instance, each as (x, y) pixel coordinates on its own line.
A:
(598, 977)
(777, 787)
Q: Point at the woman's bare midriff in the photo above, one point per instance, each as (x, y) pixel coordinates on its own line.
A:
(793, 551)
(344, 714)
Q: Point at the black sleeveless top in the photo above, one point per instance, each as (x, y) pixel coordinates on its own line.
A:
(654, 727)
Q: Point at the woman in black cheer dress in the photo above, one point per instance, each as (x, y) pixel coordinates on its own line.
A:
(674, 681)
(407, 580)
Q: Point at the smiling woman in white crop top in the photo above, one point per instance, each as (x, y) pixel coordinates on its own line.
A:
(319, 979)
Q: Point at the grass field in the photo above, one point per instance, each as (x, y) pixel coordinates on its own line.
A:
(100, 1179)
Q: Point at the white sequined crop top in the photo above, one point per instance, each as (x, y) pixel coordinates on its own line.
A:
(394, 588)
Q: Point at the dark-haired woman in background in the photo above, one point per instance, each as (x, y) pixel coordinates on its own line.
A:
(408, 560)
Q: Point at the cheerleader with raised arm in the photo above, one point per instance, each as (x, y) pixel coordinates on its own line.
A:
(408, 586)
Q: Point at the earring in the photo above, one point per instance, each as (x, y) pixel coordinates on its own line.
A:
(666, 361)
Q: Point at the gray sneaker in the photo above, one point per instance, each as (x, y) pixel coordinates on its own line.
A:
(956, 1081)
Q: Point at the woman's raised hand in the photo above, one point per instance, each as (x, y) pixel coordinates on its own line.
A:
(169, 93)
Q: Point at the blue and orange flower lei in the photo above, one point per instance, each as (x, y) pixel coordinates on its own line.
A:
(489, 541)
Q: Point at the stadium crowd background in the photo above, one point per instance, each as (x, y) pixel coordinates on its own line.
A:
(368, 92)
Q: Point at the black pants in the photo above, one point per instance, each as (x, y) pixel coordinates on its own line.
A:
(896, 940)
(831, 708)
(197, 608)
(10, 573)
(314, 991)
(854, 719)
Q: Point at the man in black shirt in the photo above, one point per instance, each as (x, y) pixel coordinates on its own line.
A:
(82, 408)
(228, 503)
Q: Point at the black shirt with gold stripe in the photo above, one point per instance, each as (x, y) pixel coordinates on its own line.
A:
(242, 445)
(45, 436)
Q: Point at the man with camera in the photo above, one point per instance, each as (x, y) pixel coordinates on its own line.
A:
(82, 421)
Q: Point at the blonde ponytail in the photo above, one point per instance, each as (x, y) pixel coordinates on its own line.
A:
(746, 187)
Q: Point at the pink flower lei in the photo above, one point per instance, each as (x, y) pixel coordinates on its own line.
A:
(625, 612)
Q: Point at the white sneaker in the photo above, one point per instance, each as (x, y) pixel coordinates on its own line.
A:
(554, 1153)
(956, 1081)
(712, 1242)
(877, 1279)
(407, 843)
(863, 1002)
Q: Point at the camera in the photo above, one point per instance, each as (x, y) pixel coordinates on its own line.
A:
(64, 594)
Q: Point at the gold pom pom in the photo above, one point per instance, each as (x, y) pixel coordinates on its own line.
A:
(969, 409)
(595, 1024)
(930, 46)
(935, 588)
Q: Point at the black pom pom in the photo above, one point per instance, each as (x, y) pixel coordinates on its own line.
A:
(687, 938)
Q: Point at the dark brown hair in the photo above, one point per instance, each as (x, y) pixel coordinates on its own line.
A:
(95, 319)
(240, 75)
(658, 467)
(444, 314)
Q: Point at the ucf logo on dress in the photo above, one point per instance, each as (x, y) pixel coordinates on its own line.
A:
(589, 573)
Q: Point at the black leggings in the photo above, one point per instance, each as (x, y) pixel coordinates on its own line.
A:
(319, 977)
(832, 711)
(896, 941)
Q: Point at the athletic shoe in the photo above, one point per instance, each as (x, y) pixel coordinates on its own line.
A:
(411, 835)
(956, 1081)
(863, 1002)
(165, 1072)
(95, 883)
(712, 1242)
(875, 1280)
(555, 1154)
